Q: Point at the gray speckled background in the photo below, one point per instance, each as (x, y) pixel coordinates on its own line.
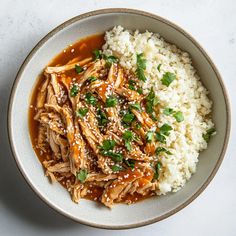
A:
(24, 23)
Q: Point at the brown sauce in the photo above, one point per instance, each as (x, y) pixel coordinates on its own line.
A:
(80, 50)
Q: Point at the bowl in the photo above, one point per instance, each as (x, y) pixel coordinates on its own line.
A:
(87, 212)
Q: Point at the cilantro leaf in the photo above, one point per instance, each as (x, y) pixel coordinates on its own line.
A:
(168, 111)
(128, 118)
(161, 138)
(141, 66)
(78, 69)
(168, 78)
(81, 112)
(159, 67)
(208, 134)
(107, 145)
(157, 170)
(74, 90)
(178, 116)
(161, 149)
(111, 101)
(90, 99)
(165, 129)
(116, 168)
(149, 136)
(135, 106)
(82, 175)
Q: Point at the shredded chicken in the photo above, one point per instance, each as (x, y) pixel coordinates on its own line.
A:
(88, 128)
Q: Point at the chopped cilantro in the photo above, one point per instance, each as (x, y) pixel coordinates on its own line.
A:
(178, 116)
(161, 149)
(97, 54)
(130, 163)
(168, 78)
(116, 168)
(90, 99)
(107, 145)
(92, 79)
(128, 118)
(81, 112)
(161, 138)
(82, 175)
(157, 170)
(128, 137)
(168, 111)
(208, 134)
(74, 90)
(165, 129)
(111, 101)
(149, 136)
(159, 67)
(78, 69)
(141, 66)
(135, 106)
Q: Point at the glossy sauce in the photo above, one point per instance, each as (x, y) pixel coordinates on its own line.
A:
(79, 50)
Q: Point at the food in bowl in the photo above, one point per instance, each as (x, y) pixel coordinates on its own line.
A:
(120, 117)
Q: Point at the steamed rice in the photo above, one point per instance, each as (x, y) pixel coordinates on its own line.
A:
(185, 94)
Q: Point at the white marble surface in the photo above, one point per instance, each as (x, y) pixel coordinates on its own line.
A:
(24, 23)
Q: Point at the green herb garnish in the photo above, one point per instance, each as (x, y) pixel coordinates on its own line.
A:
(178, 116)
(208, 134)
(139, 90)
(168, 78)
(141, 66)
(132, 84)
(159, 67)
(168, 111)
(97, 54)
(116, 168)
(116, 157)
(161, 149)
(102, 118)
(157, 170)
(128, 118)
(107, 145)
(161, 138)
(90, 99)
(92, 79)
(149, 136)
(130, 163)
(110, 60)
(74, 90)
(81, 112)
(151, 101)
(128, 137)
(135, 106)
(165, 129)
(82, 175)
(78, 69)
(111, 101)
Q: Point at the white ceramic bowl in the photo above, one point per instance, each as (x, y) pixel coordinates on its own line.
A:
(88, 212)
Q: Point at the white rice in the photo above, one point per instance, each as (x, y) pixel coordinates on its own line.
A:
(185, 94)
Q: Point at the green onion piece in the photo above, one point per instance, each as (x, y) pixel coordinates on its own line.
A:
(82, 175)
(168, 78)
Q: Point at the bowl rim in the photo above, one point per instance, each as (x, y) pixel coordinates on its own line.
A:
(128, 11)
